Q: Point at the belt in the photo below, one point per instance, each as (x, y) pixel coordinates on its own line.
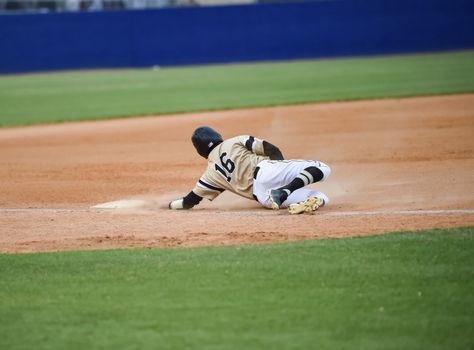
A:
(255, 173)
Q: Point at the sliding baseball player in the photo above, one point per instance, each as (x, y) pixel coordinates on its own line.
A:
(254, 169)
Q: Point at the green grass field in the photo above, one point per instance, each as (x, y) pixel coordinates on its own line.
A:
(393, 291)
(45, 98)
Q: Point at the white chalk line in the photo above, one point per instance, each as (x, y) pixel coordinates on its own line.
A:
(42, 210)
(362, 213)
(259, 212)
(398, 212)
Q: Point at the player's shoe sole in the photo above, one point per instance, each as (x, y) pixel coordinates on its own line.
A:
(275, 198)
(309, 206)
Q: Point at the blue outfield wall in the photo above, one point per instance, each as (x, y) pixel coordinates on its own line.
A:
(181, 36)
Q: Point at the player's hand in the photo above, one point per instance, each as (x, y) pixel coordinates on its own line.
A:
(176, 204)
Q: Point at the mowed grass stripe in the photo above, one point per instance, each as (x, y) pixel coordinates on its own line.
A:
(393, 291)
(44, 98)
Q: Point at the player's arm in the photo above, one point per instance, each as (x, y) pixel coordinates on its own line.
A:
(205, 188)
(272, 151)
(187, 202)
(261, 147)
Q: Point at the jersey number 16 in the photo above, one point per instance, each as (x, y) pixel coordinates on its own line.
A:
(228, 167)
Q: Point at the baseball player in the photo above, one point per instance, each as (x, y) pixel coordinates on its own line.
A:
(254, 169)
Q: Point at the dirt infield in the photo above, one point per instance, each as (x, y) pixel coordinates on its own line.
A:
(402, 164)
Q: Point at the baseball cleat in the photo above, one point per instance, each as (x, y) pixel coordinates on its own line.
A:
(309, 206)
(277, 197)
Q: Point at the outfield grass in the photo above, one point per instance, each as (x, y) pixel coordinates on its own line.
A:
(44, 98)
(394, 291)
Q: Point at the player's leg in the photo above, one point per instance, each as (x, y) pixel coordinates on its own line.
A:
(305, 200)
(303, 194)
(297, 201)
(315, 172)
(277, 174)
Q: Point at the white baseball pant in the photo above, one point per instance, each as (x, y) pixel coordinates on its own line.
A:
(274, 174)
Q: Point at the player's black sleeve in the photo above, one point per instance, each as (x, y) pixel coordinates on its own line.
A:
(272, 151)
(191, 200)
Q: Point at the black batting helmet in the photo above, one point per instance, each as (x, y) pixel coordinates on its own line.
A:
(205, 139)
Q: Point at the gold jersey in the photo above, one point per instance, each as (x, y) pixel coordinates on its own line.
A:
(231, 166)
